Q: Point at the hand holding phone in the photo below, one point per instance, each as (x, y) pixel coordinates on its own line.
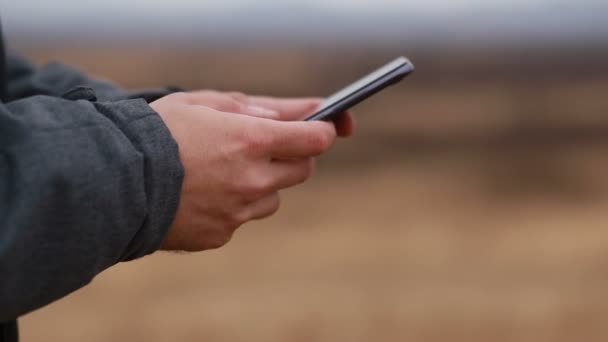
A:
(367, 86)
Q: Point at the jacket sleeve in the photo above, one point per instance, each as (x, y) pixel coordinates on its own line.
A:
(56, 79)
(83, 186)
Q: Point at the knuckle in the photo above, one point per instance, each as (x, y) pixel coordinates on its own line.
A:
(256, 143)
(233, 220)
(271, 208)
(230, 105)
(237, 219)
(238, 96)
(181, 97)
(319, 143)
(256, 186)
(276, 204)
(218, 240)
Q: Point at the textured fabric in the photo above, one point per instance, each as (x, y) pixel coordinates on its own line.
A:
(89, 176)
(9, 332)
(2, 68)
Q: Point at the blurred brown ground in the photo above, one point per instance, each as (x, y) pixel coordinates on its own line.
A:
(472, 206)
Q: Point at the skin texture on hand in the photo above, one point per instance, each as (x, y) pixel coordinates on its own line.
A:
(238, 152)
(283, 109)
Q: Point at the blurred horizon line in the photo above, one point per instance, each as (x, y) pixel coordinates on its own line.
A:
(556, 23)
(454, 42)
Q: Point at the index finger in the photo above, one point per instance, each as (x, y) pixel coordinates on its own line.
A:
(300, 139)
(289, 109)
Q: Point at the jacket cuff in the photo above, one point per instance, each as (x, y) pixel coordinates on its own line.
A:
(151, 95)
(163, 170)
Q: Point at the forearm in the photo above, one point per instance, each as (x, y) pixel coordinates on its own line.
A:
(82, 187)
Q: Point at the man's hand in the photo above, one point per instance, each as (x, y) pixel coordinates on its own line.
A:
(268, 107)
(235, 164)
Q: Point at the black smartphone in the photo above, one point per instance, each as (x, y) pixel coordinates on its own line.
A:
(369, 85)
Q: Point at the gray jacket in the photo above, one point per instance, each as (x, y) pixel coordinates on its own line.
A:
(89, 177)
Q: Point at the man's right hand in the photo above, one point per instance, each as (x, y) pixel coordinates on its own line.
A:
(234, 167)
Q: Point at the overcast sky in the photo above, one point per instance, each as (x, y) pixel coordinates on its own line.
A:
(58, 7)
(236, 18)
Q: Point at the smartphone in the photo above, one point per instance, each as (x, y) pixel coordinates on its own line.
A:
(369, 85)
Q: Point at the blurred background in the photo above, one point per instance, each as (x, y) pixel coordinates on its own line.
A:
(471, 206)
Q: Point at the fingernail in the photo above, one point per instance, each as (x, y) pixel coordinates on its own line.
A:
(262, 112)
